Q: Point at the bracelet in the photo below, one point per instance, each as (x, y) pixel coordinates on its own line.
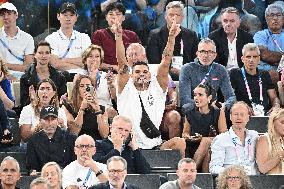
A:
(99, 173)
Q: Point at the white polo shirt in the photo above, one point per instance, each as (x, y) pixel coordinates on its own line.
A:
(60, 43)
(21, 45)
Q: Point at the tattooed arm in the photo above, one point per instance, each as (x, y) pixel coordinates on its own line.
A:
(123, 72)
(163, 70)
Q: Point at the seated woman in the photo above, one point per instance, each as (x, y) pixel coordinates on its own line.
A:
(104, 82)
(39, 70)
(233, 177)
(84, 114)
(52, 173)
(270, 146)
(5, 87)
(45, 94)
(201, 124)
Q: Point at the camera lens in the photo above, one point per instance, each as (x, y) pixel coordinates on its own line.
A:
(88, 89)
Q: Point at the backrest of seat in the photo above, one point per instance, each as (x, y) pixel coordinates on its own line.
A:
(203, 180)
(25, 181)
(19, 156)
(149, 181)
(16, 92)
(15, 130)
(267, 181)
(162, 159)
(258, 123)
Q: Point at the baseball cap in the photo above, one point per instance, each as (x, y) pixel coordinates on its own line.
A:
(48, 111)
(67, 7)
(8, 6)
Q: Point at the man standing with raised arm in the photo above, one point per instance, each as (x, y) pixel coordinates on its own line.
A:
(141, 97)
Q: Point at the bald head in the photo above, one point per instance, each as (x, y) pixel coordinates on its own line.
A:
(134, 53)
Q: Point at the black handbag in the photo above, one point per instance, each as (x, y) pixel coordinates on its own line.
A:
(146, 125)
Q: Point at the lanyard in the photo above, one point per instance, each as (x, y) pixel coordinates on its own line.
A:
(10, 51)
(238, 152)
(206, 76)
(68, 48)
(181, 47)
(248, 89)
(87, 177)
(275, 41)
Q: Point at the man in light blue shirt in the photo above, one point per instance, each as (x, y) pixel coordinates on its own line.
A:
(271, 40)
(236, 146)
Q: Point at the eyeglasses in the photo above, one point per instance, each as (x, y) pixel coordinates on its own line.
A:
(272, 15)
(113, 171)
(230, 178)
(210, 53)
(87, 146)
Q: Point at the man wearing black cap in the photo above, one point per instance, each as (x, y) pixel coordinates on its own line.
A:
(68, 44)
(50, 143)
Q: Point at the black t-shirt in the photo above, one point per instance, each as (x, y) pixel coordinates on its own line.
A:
(90, 123)
(200, 123)
(239, 86)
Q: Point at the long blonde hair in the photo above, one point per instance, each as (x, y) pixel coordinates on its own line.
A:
(274, 137)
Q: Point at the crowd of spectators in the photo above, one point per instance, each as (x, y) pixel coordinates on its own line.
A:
(184, 87)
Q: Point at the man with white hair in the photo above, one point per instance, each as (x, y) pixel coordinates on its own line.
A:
(185, 43)
(83, 172)
(16, 46)
(9, 173)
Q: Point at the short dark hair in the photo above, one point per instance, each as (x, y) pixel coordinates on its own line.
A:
(140, 63)
(115, 6)
(230, 10)
(42, 43)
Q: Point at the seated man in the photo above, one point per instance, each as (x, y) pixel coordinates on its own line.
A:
(202, 70)
(83, 172)
(51, 143)
(186, 176)
(106, 37)
(122, 143)
(254, 86)
(16, 46)
(9, 173)
(68, 44)
(229, 39)
(185, 43)
(236, 146)
(117, 172)
(270, 40)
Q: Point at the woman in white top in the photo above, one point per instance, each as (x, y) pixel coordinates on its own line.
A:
(45, 94)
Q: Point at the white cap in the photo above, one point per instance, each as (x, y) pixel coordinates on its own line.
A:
(8, 6)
